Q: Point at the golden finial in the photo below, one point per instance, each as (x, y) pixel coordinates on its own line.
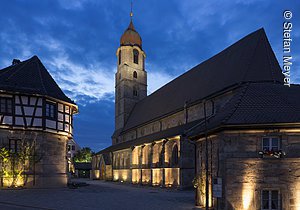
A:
(131, 13)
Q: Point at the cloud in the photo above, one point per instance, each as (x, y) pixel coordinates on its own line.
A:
(93, 81)
(157, 79)
(72, 4)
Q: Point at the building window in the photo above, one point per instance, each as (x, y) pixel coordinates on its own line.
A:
(270, 144)
(14, 145)
(120, 58)
(270, 199)
(134, 74)
(50, 111)
(6, 106)
(175, 156)
(73, 147)
(69, 147)
(136, 56)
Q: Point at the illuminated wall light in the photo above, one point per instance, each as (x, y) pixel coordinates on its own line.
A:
(297, 196)
(247, 195)
(116, 175)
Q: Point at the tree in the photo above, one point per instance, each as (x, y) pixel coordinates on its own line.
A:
(84, 155)
(15, 164)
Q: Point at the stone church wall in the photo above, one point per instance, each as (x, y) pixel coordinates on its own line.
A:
(193, 112)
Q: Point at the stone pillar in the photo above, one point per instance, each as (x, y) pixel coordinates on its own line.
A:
(163, 161)
(131, 160)
(151, 162)
(141, 164)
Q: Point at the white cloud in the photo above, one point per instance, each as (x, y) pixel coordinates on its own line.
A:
(72, 4)
(157, 79)
(94, 81)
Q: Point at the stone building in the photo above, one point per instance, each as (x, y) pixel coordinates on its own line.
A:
(36, 120)
(248, 150)
(235, 103)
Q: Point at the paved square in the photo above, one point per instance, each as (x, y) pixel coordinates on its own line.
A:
(98, 195)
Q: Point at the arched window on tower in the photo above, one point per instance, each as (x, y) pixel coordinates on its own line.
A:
(135, 92)
(175, 156)
(120, 57)
(134, 74)
(135, 56)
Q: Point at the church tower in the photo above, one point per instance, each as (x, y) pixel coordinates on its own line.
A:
(131, 77)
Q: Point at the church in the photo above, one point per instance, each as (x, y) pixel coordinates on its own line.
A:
(229, 127)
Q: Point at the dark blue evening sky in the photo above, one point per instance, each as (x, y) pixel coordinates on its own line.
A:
(77, 41)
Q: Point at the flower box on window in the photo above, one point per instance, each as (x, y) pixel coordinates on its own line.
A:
(271, 153)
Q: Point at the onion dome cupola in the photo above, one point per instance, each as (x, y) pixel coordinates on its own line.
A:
(131, 37)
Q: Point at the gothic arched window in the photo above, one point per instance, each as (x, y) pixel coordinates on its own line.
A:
(175, 156)
(120, 58)
(136, 56)
(134, 74)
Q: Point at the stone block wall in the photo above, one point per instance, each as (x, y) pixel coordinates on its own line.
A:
(234, 157)
(50, 169)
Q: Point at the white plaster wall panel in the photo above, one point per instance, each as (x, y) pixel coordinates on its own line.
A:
(17, 101)
(24, 99)
(60, 117)
(51, 124)
(40, 102)
(33, 100)
(28, 121)
(60, 126)
(28, 111)
(37, 122)
(60, 107)
(18, 110)
(67, 118)
(67, 109)
(7, 120)
(19, 121)
(67, 127)
(38, 112)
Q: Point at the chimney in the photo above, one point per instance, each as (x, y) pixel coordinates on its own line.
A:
(15, 62)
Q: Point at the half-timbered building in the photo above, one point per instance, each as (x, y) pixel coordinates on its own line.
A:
(34, 112)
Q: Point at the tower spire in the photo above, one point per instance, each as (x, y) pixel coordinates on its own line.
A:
(131, 13)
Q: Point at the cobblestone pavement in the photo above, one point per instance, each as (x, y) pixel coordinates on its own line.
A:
(98, 195)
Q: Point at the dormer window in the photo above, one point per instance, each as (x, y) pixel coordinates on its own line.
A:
(50, 111)
(5, 105)
(136, 56)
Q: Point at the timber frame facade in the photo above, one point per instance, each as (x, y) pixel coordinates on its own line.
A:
(36, 123)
